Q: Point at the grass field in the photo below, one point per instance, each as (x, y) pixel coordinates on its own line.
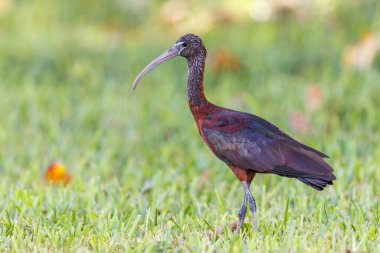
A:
(142, 179)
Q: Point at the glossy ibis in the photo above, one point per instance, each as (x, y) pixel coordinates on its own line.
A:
(247, 143)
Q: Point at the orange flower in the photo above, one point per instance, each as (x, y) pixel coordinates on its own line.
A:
(56, 173)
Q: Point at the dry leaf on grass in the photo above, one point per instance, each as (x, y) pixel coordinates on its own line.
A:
(233, 224)
(56, 173)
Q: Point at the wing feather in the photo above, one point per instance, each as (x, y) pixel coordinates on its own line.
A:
(255, 144)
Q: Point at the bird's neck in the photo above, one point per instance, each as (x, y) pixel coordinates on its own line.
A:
(195, 93)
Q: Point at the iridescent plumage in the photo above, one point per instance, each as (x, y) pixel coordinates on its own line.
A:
(247, 143)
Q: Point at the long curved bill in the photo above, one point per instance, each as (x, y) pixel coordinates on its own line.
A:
(172, 52)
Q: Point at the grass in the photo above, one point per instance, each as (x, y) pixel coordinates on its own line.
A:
(142, 179)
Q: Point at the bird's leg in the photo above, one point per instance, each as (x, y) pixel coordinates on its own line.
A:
(245, 177)
(242, 212)
(252, 204)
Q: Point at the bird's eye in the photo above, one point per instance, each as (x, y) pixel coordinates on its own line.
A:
(184, 44)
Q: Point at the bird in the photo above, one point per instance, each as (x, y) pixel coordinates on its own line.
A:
(247, 143)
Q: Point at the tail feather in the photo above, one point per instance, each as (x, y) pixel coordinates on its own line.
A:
(307, 166)
(317, 184)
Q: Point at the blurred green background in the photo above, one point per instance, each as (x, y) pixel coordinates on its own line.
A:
(142, 179)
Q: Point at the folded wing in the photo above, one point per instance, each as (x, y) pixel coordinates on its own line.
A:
(258, 145)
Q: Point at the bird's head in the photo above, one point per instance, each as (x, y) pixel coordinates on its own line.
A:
(187, 46)
(191, 44)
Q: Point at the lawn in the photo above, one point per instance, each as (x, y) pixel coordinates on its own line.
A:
(142, 180)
